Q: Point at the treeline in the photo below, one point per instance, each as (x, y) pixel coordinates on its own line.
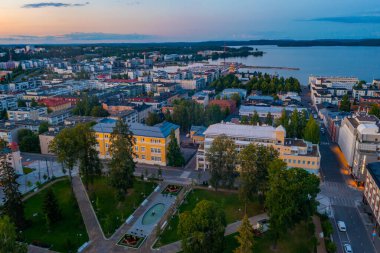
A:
(89, 106)
(187, 113)
(298, 125)
(265, 83)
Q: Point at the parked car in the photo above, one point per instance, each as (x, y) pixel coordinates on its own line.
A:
(347, 248)
(262, 225)
(342, 226)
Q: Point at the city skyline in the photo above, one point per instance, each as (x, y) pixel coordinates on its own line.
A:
(77, 21)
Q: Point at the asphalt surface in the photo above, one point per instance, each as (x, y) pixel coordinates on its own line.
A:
(344, 200)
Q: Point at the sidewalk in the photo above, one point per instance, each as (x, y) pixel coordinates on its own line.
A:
(230, 229)
(321, 247)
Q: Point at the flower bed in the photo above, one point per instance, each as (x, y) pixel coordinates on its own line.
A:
(172, 189)
(132, 241)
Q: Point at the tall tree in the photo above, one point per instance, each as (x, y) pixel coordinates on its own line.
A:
(8, 237)
(51, 208)
(65, 146)
(175, 157)
(122, 165)
(221, 158)
(255, 119)
(345, 104)
(44, 127)
(293, 129)
(202, 229)
(291, 197)
(245, 236)
(312, 132)
(236, 97)
(28, 141)
(153, 119)
(13, 206)
(254, 161)
(375, 110)
(269, 119)
(89, 163)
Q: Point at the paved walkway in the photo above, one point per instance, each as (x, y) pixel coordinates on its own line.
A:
(35, 249)
(321, 247)
(230, 229)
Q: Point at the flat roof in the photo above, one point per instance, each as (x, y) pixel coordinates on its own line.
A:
(235, 130)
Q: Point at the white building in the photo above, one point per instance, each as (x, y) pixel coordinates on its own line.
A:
(24, 113)
(359, 140)
(295, 152)
(8, 102)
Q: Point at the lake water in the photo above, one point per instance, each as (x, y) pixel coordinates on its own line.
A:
(361, 62)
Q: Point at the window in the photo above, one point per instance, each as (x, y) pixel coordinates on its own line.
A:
(308, 162)
(303, 162)
(106, 145)
(156, 158)
(299, 161)
(313, 163)
(106, 136)
(155, 141)
(142, 149)
(294, 161)
(155, 150)
(142, 139)
(143, 157)
(136, 148)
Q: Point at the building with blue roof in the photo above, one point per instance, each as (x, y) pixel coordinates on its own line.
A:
(151, 142)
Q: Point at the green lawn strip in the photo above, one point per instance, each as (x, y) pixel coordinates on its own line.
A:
(229, 202)
(299, 240)
(27, 170)
(67, 234)
(112, 213)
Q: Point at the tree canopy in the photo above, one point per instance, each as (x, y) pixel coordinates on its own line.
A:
(28, 141)
(312, 132)
(245, 236)
(345, 104)
(175, 157)
(202, 229)
(221, 158)
(8, 237)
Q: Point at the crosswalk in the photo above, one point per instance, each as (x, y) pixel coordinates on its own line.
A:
(337, 201)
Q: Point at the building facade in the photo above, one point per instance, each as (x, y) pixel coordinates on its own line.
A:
(372, 191)
(359, 140)
(296, 153)
(25, 113)
(151, 142)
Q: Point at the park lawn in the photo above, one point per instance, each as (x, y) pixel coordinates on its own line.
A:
(64, 236)
(299, 240)
(229, 202)
(112, 213)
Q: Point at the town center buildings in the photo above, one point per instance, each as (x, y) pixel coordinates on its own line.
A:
(296, 153)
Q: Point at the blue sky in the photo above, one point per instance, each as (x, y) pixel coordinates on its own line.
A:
(181, 20)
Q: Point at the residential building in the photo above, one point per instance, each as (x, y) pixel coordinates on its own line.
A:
(359, 140)
(372, 191)
(275, 111)
(295, 152)
(56, 117)
(197, 134)
(128, 116)
(45, 140)
(227, 93)
(201, 98)
(24, 113)
(11, 155)
(56, 105)
(151, 142)
(9, 131)
(8, 102)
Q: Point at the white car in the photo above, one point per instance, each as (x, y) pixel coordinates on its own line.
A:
(342, 226)
(347, 248)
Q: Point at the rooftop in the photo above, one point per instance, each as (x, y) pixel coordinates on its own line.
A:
(235, 130)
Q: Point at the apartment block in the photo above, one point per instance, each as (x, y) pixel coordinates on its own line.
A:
(24, 113)
(372, 191)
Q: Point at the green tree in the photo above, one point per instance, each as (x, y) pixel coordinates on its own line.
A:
(245, 237)
(345, 104)
(89, 163)
(174, 156)
(283, 120)
(51, 208)
(121, 165)
(4, 114)
(375, 110)
(255, 119)
(44, 127)
(98, 111)
(12, 200)
(213, 114)
(28, 141)
(33, 103)
(291, 197)
(65, 147)
(294, 130)
(254, 161)
(312, 132)
(21, 103)
(244, 120)
(8, 238)
(236, 97)
(202, 229)
(269, 119)
(221, 158)
(153, 119)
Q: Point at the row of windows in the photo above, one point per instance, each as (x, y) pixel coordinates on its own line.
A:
(298, 162)
(153, 158)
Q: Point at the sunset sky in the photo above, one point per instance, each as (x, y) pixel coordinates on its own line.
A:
(179, 20)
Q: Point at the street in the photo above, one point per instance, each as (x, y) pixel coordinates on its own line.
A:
(344, 199)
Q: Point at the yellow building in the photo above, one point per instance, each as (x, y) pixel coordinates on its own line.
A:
(151, 142)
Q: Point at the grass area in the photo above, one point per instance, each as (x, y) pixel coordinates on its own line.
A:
(66, 235)
(229, 202)
(300, 240)
(111, 212)
(27, 170)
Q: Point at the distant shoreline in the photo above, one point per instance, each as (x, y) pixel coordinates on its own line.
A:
(279, 43)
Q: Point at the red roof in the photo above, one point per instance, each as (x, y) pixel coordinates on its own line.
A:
(50, 102)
